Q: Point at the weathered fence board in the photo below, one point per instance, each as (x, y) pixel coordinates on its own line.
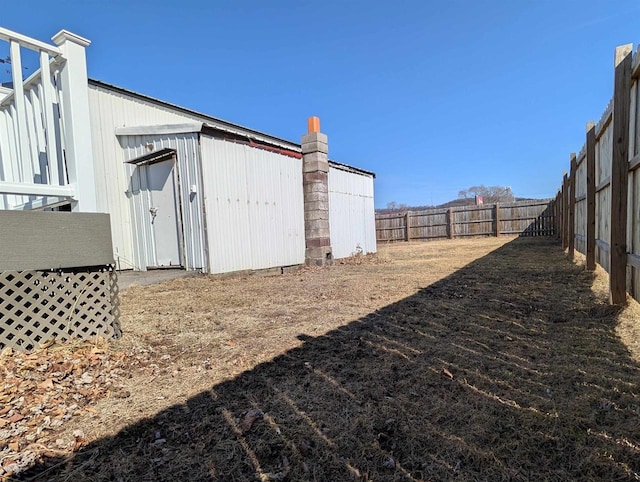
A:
(620, 174)
(581, 205)
(525, 218)
(590, 216)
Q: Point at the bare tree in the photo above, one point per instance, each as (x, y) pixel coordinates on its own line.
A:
(490, 195)
(394, 206)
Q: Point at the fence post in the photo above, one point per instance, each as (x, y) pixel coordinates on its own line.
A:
(572, 206)
(554, 205)
(620, 174)
(555, 216)
(565, 211)
(407, 223)
(559, 214)
(591, 196)
(450, 223)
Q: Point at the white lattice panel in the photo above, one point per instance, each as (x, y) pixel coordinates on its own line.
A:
(36, 306)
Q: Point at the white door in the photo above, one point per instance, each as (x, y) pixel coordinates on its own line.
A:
(163, 202)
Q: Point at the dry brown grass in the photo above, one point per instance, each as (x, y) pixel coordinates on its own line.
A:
(466, 359)
(628, 321)
(628, 329)
(193, 333)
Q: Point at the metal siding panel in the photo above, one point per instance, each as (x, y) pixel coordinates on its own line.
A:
(227, 206)
(293, 210)
(351, 213)
(143, 255)
(259, 224)
(186, 146)
(114, 177)
(370, 219)
(279, 238)
(254, 207)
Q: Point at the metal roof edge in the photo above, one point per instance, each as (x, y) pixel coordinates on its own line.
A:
(211, 121)
(348, 168)
(159, 129)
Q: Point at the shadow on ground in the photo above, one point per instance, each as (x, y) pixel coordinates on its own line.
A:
(509, 369)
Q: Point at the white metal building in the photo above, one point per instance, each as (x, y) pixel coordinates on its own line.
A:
(182, 188)
(352, 217)
(191, 190)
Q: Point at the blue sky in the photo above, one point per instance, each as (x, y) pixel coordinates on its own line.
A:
(433, 97)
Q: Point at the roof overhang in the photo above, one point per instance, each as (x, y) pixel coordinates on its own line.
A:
(160, 155)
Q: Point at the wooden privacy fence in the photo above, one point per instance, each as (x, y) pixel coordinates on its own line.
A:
(598, 204)
(57, 278)
(524, 218)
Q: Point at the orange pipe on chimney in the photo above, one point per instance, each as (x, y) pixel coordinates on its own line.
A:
(313, 124)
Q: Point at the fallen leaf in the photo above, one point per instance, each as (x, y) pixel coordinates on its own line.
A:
(447, 373)
(16, 417)
(250, 417)
(47, 384)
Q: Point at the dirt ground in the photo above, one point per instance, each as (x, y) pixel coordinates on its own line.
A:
(478, 359)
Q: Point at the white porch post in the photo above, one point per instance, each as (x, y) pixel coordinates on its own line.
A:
(77, 128)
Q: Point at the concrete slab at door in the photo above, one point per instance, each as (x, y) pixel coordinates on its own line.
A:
(163, 199)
